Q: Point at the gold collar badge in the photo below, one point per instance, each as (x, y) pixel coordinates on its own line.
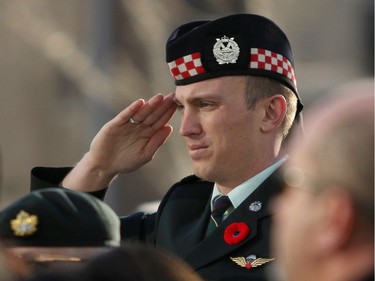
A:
(24, 224)
(250, 261)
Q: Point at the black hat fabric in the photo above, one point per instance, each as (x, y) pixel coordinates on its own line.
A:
(240, 44)
(59, 217)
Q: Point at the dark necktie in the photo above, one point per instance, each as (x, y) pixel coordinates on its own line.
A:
(220, 205)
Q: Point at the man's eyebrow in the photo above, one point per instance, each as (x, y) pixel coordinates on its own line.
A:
(197, 99)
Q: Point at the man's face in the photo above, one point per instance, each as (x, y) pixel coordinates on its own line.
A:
(221, 133)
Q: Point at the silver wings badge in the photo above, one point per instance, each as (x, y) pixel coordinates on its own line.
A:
(250, 261)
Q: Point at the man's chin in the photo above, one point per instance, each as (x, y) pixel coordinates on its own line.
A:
(202, 173)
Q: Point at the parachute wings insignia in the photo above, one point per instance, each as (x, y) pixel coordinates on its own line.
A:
(241, 261)
(260, 261)
(250, 261)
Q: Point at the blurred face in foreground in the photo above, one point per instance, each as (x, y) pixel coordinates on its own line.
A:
(297, 212)
(323, 222)
(43, 259)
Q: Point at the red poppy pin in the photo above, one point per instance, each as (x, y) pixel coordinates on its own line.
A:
(236, 232)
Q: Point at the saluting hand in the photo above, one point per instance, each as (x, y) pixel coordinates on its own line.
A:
(124, 144)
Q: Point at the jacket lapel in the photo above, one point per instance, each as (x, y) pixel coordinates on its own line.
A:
(192, 233)
(183, 215)
(214, 246)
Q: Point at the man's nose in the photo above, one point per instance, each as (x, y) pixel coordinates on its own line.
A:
(190, 124)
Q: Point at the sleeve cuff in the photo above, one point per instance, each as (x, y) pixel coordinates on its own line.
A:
(45, 177)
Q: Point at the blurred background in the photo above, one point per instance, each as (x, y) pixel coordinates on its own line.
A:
(67, 67)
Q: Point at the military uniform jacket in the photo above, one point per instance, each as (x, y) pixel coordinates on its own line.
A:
(181, 221)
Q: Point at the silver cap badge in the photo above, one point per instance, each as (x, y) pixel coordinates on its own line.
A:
(226, 50)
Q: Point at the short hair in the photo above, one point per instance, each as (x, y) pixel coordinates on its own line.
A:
(142, 263)
(345, 155)
(342, 153)
(259, 88)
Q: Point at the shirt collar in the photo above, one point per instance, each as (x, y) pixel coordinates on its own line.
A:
(242, 191)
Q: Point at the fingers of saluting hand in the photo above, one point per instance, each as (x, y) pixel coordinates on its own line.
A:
(157, 140)
(156, 112)
(125, 115)
(120, 139)
(161, 116)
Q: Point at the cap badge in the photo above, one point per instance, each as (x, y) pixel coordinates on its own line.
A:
(24, 224)
(255, 206)
(226, 50)
(250, 261)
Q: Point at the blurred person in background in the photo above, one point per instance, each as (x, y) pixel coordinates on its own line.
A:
(237, 95)
(130, 263)
(324, 223)
(58, 229)
(12, 267)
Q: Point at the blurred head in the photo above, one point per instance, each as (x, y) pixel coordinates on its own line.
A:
(237, 92)
(326, 214)
(133, 262)
(58, 226)
(142, 264)
(12, 267)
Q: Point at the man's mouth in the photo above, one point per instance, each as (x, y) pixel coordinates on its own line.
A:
(197, 150)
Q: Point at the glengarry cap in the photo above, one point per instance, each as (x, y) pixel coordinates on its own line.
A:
(240, 44)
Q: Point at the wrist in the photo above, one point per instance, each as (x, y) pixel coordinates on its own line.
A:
(88, 176)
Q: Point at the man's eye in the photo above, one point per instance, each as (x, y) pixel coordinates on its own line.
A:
(180, 107)
(206, 104)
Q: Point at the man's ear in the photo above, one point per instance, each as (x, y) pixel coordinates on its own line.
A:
(275, 111)
(337, 220)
